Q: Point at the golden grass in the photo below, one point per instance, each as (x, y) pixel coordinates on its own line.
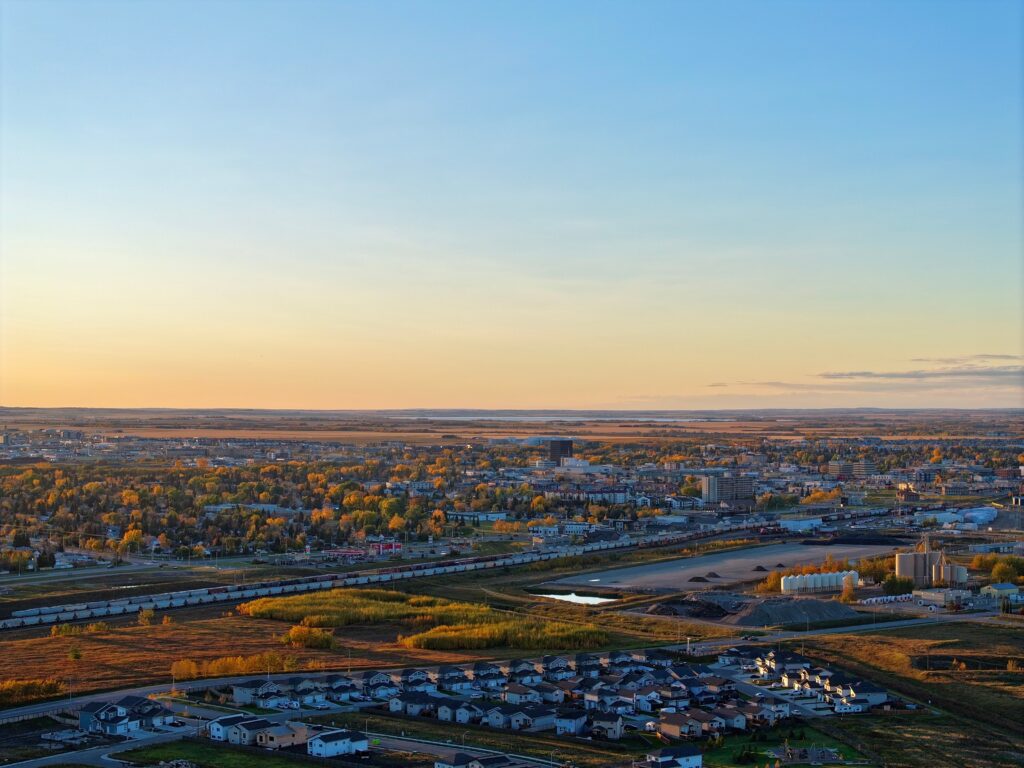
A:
(131, 655)
(915, 661)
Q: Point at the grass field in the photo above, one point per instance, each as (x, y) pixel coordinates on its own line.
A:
(930, 741)
(797, 736)
(209, 755)
(510, 590)
(916, 661)
(593, 754)
(131, 655)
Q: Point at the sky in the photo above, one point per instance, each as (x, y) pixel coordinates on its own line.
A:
(511, 204)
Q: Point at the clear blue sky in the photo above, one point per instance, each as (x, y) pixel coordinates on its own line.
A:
(374, 204)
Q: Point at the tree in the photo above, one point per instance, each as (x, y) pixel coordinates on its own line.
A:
(1004, 573)
(897, 585)
(146, 617)
(184, 669)
(849, 594)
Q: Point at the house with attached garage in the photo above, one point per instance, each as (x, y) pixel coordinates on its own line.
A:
(709, 723)
(217, 729)
(522, 672)
(607, 726)
(463, 713)
(570, 722)
(654, 657)
(246, 732)
(340, 688)
(859, 691)
(646, 699)
(375, 685)
(556, 667)
(620, 662)
(549, 693)
(122, 717)
(304, 690)
(488, 677)
(452, 679)
(340, 742)
(516, 718)
(252, 691)
(416, 704)
(679, 726)
(587, 665)
(732, 718)
(414, 680)
(681, 756)
(283, 735)
(514, 693)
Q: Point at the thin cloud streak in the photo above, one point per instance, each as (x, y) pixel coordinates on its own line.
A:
(996, 374)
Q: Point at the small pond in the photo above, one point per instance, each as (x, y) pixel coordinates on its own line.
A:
(572, 597)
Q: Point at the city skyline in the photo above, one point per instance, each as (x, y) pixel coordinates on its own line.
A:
(571, 206)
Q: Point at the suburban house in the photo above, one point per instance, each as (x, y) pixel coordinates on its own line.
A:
(121, 717)
(679, 726)
(415, 704)
(556, 667)
(283, 735)
(246, 732)
(217, 729)
(453, 679)
(571, 722)
(252, 691)
(681, 756)
(514, 693)
(607, 726)
(374, 684)
(340, 742)
(414, 680)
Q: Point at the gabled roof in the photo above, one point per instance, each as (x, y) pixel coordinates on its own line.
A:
(331, 736)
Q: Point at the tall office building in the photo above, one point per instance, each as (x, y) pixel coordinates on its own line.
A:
(558, 449)
(716, 488)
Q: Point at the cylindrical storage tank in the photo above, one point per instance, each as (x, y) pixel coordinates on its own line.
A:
(786, 583)
(815, 581)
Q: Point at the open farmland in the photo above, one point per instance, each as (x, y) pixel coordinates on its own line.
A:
(452, 427)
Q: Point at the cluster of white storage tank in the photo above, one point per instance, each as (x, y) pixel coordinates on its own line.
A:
(818, 582)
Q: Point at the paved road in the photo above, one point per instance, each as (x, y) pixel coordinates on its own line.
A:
(104, 756)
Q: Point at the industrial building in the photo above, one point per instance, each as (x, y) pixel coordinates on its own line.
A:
(928, 568)
(818, 582)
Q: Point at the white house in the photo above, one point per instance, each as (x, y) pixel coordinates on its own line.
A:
(341, 742)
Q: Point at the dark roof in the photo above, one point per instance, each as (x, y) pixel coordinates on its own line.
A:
(331, 736)
(683, 750)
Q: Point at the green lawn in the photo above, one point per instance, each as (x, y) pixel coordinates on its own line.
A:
(208, 756)
(725, 756)
(594, 754)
